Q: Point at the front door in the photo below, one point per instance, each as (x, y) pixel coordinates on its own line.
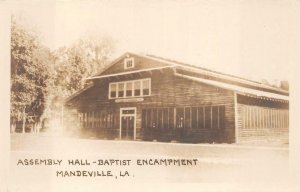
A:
(127, 123)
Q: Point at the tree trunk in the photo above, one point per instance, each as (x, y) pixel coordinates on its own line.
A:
(13, 127)
(38, 125)
(24, 121)
(62, 116)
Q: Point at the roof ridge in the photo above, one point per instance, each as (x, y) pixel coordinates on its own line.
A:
(213, 71)
(203, 68)
(182, 64)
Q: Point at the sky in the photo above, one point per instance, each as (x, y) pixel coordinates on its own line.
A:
(252, 39)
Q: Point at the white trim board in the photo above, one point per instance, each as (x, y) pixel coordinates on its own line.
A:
(236, 88)
(128, 72)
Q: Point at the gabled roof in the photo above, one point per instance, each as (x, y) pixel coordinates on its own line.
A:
(78, 92)
(244, 85)
(214, 73)
(238, 89)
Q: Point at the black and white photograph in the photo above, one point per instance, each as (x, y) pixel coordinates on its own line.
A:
(197, 95)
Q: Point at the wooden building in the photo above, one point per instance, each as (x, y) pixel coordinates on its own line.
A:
(145, 97)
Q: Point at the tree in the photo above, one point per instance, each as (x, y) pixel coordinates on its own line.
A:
(84, 58)
(284, 85)
(41, 79)
(29, 73)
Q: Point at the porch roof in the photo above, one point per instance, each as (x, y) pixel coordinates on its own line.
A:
(239, 89)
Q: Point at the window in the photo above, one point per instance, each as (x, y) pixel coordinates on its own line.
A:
(146, 87)
(149, 119)
(160, 118)
(207, 117)
(215, 117)
(171, 118)
(125, 89)
(187, 118)
(201, 116)
(128, 63)
(154, 118)
(128, 111)
(262, 118)
(137, 88)
(144, 119)
(179, 118)
(165, 118)
(113, 90)
(121, 90)
(194, 118)
(128, 89)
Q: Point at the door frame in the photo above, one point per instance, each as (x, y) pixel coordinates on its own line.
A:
(128, 115)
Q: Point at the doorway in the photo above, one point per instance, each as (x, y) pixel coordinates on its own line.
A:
(128, 123)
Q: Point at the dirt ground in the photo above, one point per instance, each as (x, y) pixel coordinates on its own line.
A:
(230, 166)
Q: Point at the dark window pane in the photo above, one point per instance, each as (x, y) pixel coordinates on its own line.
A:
(113, 90)
(179, 118)
(128, 93)
(129, 89)
(137, 92)
(215, 118)
(103, 117)
(200, 118)
(144, 119)
(194, 118)
(154, 118)
(121, 90)
(146, 92)
(222, 117)
(100, 120)
(129, 64)
(128, 111)
(146, 87)
(108, 115)
(149, 118)
(113, 120)
(137, 88)
(187, 117)
(165, 118)
(208, 117)
(113, 94)
(160, 119)
(171, 118)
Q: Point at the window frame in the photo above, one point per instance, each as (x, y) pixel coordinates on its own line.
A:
(125, 83)
(116, 90)
(126, 60)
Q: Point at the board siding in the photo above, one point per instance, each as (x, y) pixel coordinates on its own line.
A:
(167, 90)
(261, 131)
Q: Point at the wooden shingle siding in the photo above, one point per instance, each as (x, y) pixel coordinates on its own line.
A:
(210, 77)
(167, 90)
(256, 123)
(139, 63)
(258, 118)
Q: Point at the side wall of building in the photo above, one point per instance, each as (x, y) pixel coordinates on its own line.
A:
(167, 91)
(263, 121)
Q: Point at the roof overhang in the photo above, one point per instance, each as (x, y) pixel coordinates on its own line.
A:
(78, 93)
(238, 89)
(213, 73)
(129, 72)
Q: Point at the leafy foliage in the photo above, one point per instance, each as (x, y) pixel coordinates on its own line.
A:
(41, 79)
(29, 73)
